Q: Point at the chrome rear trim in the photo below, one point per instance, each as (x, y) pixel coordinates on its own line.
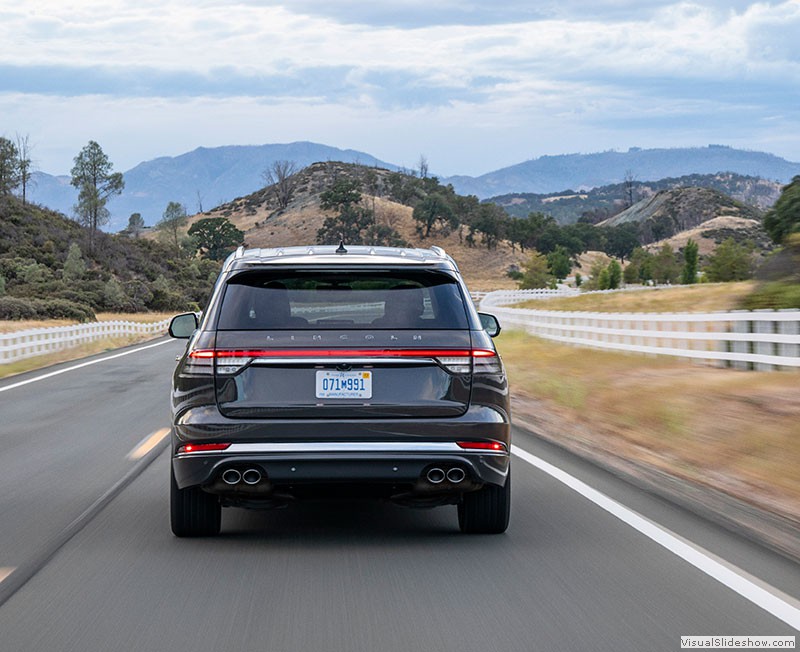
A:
(338, 447)
(346, 447)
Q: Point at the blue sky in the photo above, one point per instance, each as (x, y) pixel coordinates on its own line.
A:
(472, 86)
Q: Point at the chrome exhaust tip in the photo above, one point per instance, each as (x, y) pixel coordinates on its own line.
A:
(251, 476)
(436, 476)
(456, 475)
(231, 477)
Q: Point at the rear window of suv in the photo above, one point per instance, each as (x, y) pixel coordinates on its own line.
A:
(336, 300)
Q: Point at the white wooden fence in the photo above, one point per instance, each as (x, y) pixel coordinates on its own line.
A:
(763, 340)
(30, 343)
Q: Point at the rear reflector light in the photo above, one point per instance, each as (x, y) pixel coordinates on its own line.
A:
(482, 445)
(202, 448)
(456, 364)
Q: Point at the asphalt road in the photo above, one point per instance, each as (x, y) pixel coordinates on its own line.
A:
(341, 576)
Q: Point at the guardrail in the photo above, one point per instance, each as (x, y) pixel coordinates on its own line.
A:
(763, 340)
(38, 341)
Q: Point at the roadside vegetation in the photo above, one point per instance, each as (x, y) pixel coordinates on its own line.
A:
(656, 411)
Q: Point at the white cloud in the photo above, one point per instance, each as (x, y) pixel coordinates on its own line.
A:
(565, 77)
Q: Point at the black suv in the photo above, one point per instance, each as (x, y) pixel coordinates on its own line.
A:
(318, 370)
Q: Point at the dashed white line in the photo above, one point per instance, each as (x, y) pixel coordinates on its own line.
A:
(147, 444)
(81, 366)
(770, 599)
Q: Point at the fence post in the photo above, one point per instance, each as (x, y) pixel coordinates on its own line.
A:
(786, 327)
(764, 348)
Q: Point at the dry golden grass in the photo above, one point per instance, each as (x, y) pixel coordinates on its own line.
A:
(74, 353)
(734, 430)
(137, 317)
(684, 298)
(12, 326)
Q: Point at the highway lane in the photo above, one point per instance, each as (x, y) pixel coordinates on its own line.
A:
(352, 575)
(64, 438)
(365, 576)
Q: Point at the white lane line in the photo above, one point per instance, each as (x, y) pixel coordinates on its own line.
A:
(81, 365)
(5, 571)
(780, 605)
(147, 444)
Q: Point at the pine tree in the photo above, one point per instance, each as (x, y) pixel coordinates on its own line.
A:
(74, 265)
(690, 258)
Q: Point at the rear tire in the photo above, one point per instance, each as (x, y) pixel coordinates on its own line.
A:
(486, 511)
(193, 512)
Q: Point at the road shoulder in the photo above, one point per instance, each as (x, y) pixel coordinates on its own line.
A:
(774, 530)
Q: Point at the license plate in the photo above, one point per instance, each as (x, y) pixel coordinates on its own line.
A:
(344, 384)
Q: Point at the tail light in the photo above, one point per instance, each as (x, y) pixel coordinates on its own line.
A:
(484, 445)
(199, 363)
(457, 361)
(202, 448)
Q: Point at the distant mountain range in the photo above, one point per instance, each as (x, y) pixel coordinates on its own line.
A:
(200, 179)
(208, 177)
(583, 171)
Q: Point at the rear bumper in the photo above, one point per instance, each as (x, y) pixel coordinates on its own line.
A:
(288, 464)
(306, 451)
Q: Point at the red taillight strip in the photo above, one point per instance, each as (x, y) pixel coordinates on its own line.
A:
(203, 354)
(482, 445)
(201, 448)
(484, 353)
(341, 353)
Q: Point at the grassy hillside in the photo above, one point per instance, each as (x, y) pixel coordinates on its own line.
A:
(41, 278)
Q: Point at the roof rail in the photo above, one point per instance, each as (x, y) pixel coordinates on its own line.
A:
(439, 251)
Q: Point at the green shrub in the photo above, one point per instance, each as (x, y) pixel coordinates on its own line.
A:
(15, 308)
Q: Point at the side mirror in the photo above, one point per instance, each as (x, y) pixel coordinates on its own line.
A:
(182, 326)
(490, 324)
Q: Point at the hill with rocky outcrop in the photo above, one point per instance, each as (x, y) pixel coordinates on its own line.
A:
(670, 212)
(603, 202)
(387, 193)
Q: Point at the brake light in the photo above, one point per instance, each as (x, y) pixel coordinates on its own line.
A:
(201, 448)
(459, 361)
(483, 445)
(333, 353)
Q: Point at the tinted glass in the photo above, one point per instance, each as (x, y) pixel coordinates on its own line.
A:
(342, 300)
